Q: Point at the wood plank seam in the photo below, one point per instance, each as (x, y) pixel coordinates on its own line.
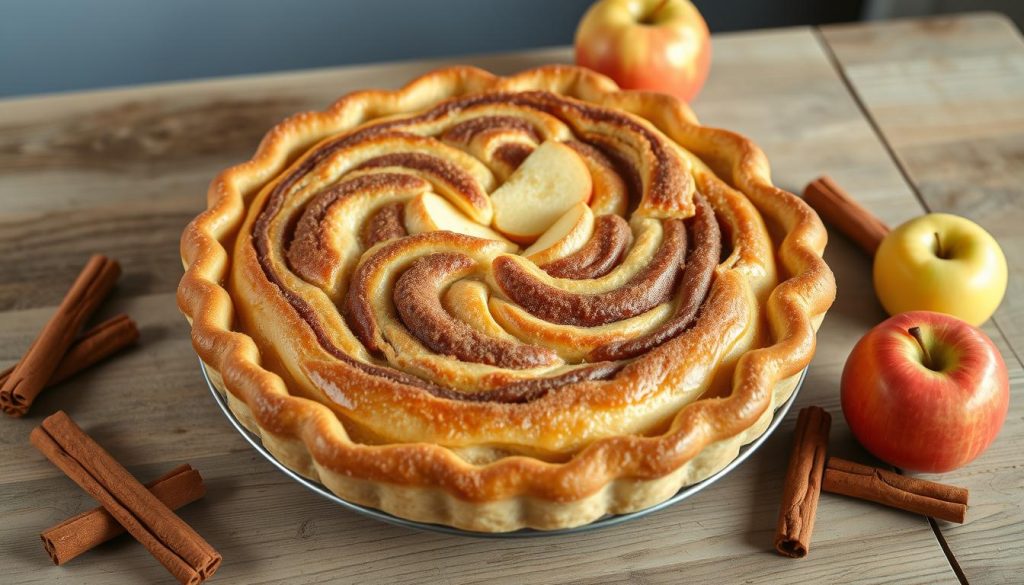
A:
(946, 550)
(889, 150)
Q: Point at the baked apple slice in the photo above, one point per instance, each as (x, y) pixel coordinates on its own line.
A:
(429, 212)
(545, 186)
(564, 237)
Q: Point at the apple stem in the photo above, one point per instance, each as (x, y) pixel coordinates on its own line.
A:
(938, 247)
(915, 332)
(649, 18)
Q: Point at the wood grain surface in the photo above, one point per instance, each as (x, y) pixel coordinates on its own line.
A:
(121, 172)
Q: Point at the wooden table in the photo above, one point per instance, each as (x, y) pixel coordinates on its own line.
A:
(909, 116)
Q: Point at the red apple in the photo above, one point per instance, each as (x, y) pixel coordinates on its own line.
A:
(925, 391)
(659, 45)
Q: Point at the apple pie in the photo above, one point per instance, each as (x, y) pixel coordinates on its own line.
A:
(504, 302)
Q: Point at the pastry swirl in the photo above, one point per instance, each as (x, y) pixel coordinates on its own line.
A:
(503, 288)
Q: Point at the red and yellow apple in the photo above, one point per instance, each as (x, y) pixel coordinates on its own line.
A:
(925, 391)
(658, 45)
(941, 262)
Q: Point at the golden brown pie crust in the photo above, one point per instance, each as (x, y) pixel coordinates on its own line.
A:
(494, 393)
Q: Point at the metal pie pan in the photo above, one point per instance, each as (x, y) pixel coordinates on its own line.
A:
(604, 522)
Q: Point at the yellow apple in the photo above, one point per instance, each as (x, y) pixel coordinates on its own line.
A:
(660, 45)
(546, 185)
(944, 263)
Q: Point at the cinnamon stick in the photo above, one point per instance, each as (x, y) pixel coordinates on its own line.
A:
(803, 483)
(37, 367)
(78, 534)
(174, 543)
(910, 494)
(93, 346)
(836, 207)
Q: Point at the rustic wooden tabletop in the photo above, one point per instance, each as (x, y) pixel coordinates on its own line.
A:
(908, 116)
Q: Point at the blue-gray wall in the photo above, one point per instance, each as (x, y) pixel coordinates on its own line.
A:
(54, 45)
(59, 45)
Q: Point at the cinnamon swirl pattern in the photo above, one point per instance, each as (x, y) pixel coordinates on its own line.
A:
(504, 302)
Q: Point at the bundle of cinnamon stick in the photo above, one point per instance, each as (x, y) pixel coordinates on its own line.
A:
(59, 352)
(809, 473)
(142, 513)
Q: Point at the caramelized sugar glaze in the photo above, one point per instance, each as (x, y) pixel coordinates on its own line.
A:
(383, 165)
(329, 235)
